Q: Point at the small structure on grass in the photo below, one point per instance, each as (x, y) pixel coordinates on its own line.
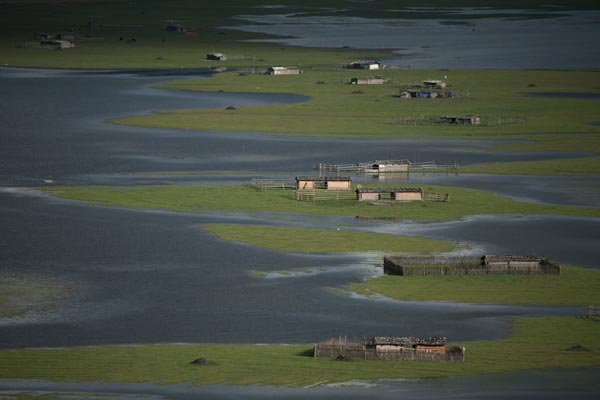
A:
(484, 265)
(391, 194)
(434, 83)
(365, 64)
(216, 56)
(373, 80)
(324, 182)
(383, 166)
(284, 71)
(390, 348)
(460, 119)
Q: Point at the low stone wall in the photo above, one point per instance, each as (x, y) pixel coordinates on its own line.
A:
(359, 352)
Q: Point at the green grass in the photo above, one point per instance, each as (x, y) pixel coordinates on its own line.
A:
(202, 198)
(568, 166)
(574, 286)
(325, 240)
(533, 343)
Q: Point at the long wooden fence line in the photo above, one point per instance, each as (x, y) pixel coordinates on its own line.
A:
(273, 184)
(323, 194)
(367, 167)
(428, 196)
(422, 266)
(360, 352)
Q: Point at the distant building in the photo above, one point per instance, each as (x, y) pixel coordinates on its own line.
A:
(434, 83)
(390, 194)
(387, 344)
(376, 80)
(461, 119)
(326, 182)
(284, 71)
(216, 56)
(363, 64)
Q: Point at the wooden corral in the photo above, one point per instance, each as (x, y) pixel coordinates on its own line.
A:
(375, 80)
(390, 348)
(383, 166)
(386, 166)
(284, 71)
(430, 265)
(434, 83)
(365, 64)
(323, 182)
(216, 56)
(460, 119)
(398, 195)
(407, 194)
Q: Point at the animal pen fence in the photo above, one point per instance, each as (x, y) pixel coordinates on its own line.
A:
(485, 265)
(367, 167)
(363, 349)
(322, 195)
(273, 184)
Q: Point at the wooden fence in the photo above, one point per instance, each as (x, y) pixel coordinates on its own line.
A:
(412, 266)
(273, 184)
(427, 196)
(367, 167)
(323, 194)
(361, 352)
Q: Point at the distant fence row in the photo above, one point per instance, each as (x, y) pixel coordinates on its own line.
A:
(359, 352)
(273, 184)
(321, 195)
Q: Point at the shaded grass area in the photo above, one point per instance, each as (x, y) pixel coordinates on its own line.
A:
(19, 296)
(201, 198)
(534, 343)
(325, 240)
(133, 34)
(574, 286)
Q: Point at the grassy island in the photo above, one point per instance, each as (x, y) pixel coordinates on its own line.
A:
(201, 198)
(542, 342)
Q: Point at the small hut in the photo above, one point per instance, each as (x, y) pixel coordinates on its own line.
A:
(389, 166)
(434, 83)
(284, 71)
(460, 119)
(389, 194)
(216, 56)
(406, 194)
(363, 64)
(326, 182)
(375, 80)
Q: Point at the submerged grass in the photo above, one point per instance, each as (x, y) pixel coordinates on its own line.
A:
(325, 240)
(19, 296)
(201, 198)
(534, 343)
(574, 286)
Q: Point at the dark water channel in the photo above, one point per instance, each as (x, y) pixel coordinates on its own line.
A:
(139, 276)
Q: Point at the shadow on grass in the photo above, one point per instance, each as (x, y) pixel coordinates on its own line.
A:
(307, 353)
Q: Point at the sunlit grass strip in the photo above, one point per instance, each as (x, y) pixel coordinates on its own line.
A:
(201, 198)
(325, 240)
(534, 343)
(574, 286)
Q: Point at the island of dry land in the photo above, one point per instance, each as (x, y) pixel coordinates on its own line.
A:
(525, 110)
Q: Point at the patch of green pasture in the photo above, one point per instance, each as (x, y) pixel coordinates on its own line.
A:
(335, 107)
(574, 286)
(534, 343)
(325, 240)
(200, 198)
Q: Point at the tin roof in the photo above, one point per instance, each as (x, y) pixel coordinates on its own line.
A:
(323, 178)
(408, 341)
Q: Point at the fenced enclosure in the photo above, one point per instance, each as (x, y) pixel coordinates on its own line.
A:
(367, 167)
(273, 184)
(357, 349)
(323, 195)
(486, 265)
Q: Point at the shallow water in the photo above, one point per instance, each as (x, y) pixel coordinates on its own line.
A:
(559, 40)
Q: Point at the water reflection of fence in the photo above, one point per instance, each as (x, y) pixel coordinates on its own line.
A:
(273, 184)
(321, 195)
